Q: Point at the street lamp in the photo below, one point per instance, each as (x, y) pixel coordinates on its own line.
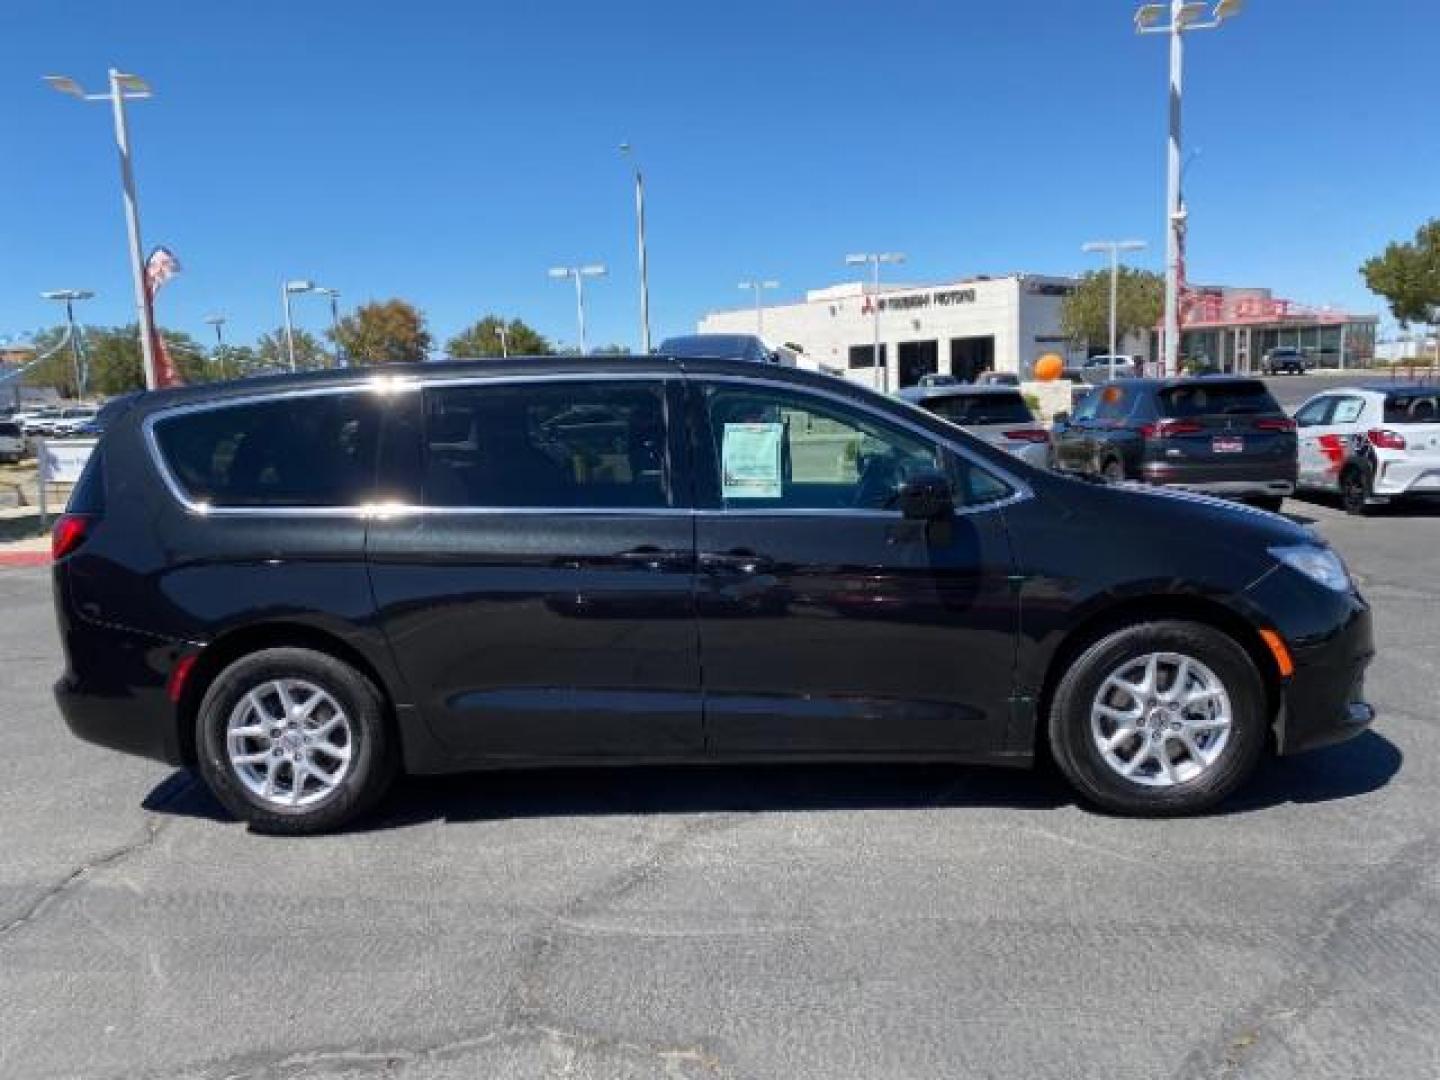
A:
(287, 290)
(504, 340)
(218, 322)
(69, 296)
(579, 273)
(874, 259)
(1183, 18)
(628, 151)
(124, 88)
(334, 295)
(759, 287)
(1113, 247)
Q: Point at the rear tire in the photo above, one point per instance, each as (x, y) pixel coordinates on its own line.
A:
(1354, 492)
(1181, 758)
(1113, 471)
(1273, 503)
(294, 741)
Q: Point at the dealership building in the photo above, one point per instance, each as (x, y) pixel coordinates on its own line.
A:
(1006, 323)
(959, 327)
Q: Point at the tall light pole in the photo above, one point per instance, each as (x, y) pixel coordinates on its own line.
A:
(1183, 18)
(874, 259)
(759, 287)
(334, 295)
(579, 273)
(1113, 247)
(628, 151)
(504, 340)
(69, 296)
(287, 290)
(218, 322)
(124, 88)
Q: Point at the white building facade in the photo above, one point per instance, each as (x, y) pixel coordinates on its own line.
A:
(959, 328)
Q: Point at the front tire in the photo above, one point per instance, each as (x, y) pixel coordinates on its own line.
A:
(1159, 719)
(1113, 471)
(1273, 503)
(294, 741)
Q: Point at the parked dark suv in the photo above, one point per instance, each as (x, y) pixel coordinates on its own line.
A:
(304, 584)
(1225, 436)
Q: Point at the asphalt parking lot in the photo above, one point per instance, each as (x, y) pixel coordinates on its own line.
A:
(789, 922)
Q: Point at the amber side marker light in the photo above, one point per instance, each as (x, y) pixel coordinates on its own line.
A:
(1280, 651)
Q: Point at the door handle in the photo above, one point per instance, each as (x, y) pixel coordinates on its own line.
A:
(653, 558)
(736, 562)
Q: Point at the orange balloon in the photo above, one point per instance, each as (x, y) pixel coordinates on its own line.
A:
(1049, 367)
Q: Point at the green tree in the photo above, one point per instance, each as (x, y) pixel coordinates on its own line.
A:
(482, 339)
(1085, 314)
(271, 353)
(234, 361)
(611, 350)
(384, 332)
(1408, 276)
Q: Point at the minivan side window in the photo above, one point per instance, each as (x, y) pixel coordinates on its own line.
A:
(563, 444)
(309, 450)
(773, 449)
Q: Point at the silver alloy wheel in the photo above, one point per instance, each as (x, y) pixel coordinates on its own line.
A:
(289, 742)
(1161, 719)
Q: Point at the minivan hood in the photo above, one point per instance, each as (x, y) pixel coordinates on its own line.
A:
(1185, 515)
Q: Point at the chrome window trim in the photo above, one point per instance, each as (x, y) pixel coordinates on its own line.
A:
(406, 384)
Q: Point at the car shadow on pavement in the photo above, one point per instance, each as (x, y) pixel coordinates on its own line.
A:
(1412, 506)
(1351, 769)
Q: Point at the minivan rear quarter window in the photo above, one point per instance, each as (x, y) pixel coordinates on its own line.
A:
(1245, 397)
(563, 444)
(300, 451)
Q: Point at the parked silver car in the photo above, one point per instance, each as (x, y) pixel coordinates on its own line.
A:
(996, 414)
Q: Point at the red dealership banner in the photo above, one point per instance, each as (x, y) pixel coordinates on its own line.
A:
(160, 267)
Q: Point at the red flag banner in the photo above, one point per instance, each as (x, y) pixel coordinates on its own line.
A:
(160, 267)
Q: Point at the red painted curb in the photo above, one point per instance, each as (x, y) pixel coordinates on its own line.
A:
(24, 558)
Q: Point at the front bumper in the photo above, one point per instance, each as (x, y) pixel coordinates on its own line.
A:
(1331, 641)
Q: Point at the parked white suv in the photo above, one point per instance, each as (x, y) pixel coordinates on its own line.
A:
(1371, 444)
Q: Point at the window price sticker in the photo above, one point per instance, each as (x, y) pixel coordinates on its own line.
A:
(750, 461)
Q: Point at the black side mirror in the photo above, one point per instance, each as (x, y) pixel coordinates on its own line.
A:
(927, 496)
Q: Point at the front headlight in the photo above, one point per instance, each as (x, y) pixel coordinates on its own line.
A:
(1319, 564)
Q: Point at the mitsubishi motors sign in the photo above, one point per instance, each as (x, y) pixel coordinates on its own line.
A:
(911, 301)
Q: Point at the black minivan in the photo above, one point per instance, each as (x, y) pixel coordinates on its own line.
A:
(301, 585)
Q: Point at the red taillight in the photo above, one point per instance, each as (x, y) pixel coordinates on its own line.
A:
(1164, 429)
(69, 533)
(1035, 435)
(175, 685)
(1385, 439)
(1282, 423)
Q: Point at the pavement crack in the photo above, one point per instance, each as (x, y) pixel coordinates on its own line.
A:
(679, 1062)
(522, 1007)
(1247, 1031)
(83, 872)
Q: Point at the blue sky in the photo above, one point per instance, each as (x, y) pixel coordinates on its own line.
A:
(450, 152)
